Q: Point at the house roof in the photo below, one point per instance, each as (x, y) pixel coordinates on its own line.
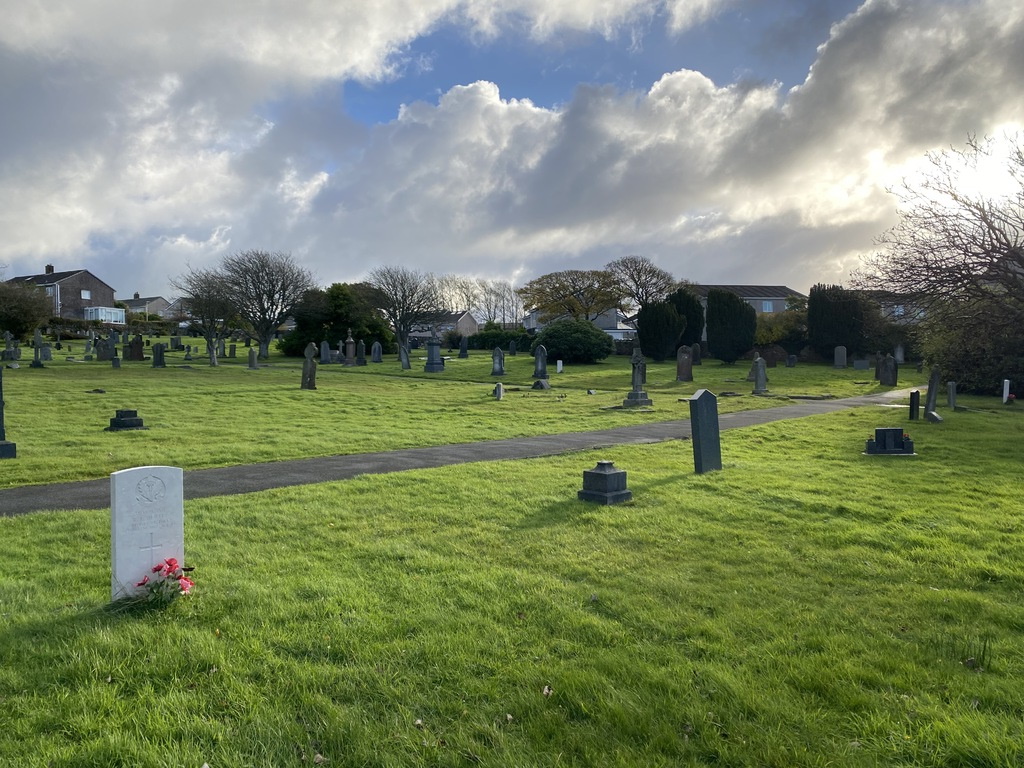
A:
(751, 291)
(53, 278)
(142, 302)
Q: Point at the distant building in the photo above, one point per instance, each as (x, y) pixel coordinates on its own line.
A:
(765, 299)
(77, 294)
(614, 322)
(149, 305)
(462, 323)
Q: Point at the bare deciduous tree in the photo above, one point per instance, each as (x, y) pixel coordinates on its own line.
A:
(575, 293)
(408, 298)
(642, 281)
(206, 297)
(957, 254)
(265, 288)
(458, 294)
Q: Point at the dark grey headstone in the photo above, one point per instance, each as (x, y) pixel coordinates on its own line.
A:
(125, 420)
(541, 384)
(231, 350)
(637, 396)
(434, 362)
(376, 353)
(115, 362)
(791, 361)
(158, 356)
(888, 372)
(951, 394)
(350, 349)
(915, 405)
(512, 348)
(497, 362)
(889, 441)
(604, 484)
(862, 365)
(252, 358)
(760, 377)
(707, 446)
(360, 352)
(934, 382)
(309, 367)
(403, 357)
(464, 348)
(684, 364)
(753, 367)
(8, 450)
(540, 362)
(695, 350)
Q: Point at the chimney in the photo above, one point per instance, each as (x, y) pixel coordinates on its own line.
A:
(136, 295)
(49, 269)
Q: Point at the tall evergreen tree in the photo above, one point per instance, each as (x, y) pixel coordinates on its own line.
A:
(835, 317)
(690, 309)
(732, 324)
(658, 329)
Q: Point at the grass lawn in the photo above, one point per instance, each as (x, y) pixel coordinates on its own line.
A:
(807, 605)
(198, 416)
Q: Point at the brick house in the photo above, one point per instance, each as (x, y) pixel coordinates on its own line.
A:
(77, 294)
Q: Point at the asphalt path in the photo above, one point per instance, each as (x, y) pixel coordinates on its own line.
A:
(249, 478)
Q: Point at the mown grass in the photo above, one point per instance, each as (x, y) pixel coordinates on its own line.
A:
(198, 416)
(808, 605)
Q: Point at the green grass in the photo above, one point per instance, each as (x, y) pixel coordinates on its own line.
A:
(198, 416)
(808, 605)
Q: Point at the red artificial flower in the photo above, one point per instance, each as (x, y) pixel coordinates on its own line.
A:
(186, 584)
(144, 582)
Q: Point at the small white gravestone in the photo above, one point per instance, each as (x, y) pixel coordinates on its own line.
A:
(147, 524)
(558, 366)
(1006, 391)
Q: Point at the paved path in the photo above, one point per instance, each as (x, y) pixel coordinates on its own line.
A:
(247, 478)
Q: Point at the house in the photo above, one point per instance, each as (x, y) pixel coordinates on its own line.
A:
(149, 305)
(77, 294)
(614, 322)
(765, 299)
(462, 323)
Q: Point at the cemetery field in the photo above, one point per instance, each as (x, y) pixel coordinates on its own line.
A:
(806, 606)
(198, 416)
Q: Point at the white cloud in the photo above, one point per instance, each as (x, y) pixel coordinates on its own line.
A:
(137, 138)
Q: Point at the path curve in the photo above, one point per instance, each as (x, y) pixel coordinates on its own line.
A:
(249, 478)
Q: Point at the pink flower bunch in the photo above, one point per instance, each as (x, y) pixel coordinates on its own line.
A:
(167, 582)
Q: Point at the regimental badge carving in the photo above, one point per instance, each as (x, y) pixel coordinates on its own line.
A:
(150, 488)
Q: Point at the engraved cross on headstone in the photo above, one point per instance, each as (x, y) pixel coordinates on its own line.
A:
(151, 548)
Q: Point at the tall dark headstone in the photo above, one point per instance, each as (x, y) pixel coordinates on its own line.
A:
(951, 394)
(309, 367)
(377, 353)
(360, 352)
(915, 405)
(512, 348)
(434, 362)
(839, 357)
(350, 349)
(497, 362)
(707, 444)
(684, 364)
(540, 362)
(888, 372)
(696, 352)
(791, 361)
(403, 358)
(464, 348)
(8, 450)
(760, 377)
(252, 359)
(158, 356)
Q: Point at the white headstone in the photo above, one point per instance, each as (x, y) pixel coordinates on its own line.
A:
(558, 366)
(147, 524)
(1006, 391)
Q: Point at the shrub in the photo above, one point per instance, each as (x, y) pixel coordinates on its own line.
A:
(732, 324)
(574, 341)
(489, 338)
(690, 309)
(658, 329)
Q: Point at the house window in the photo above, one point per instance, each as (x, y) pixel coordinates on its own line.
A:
(49, 290)
(898, 311)
(86, 294)
(767, 306)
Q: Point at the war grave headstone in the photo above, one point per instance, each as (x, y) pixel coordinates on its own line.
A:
(839, 357)
(464, 348)
(604, 484)
(915, 405)
(403, 358)
(497, 362)
(931, 400)
(376, 353)
(637, 396)
(147, 525)
(434, 362)
(540, 362)
(888, 371)
(361, 352)
(889, 441)
(158, 356)
(558, 366)
(325, 353)
(695, 351)
(309, 367)
(684, 364)
(8, 450)
(760, 377)
(706, 437)
(253, 365)
(1006, 391)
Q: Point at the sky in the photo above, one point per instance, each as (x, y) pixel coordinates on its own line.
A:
(728, 141)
